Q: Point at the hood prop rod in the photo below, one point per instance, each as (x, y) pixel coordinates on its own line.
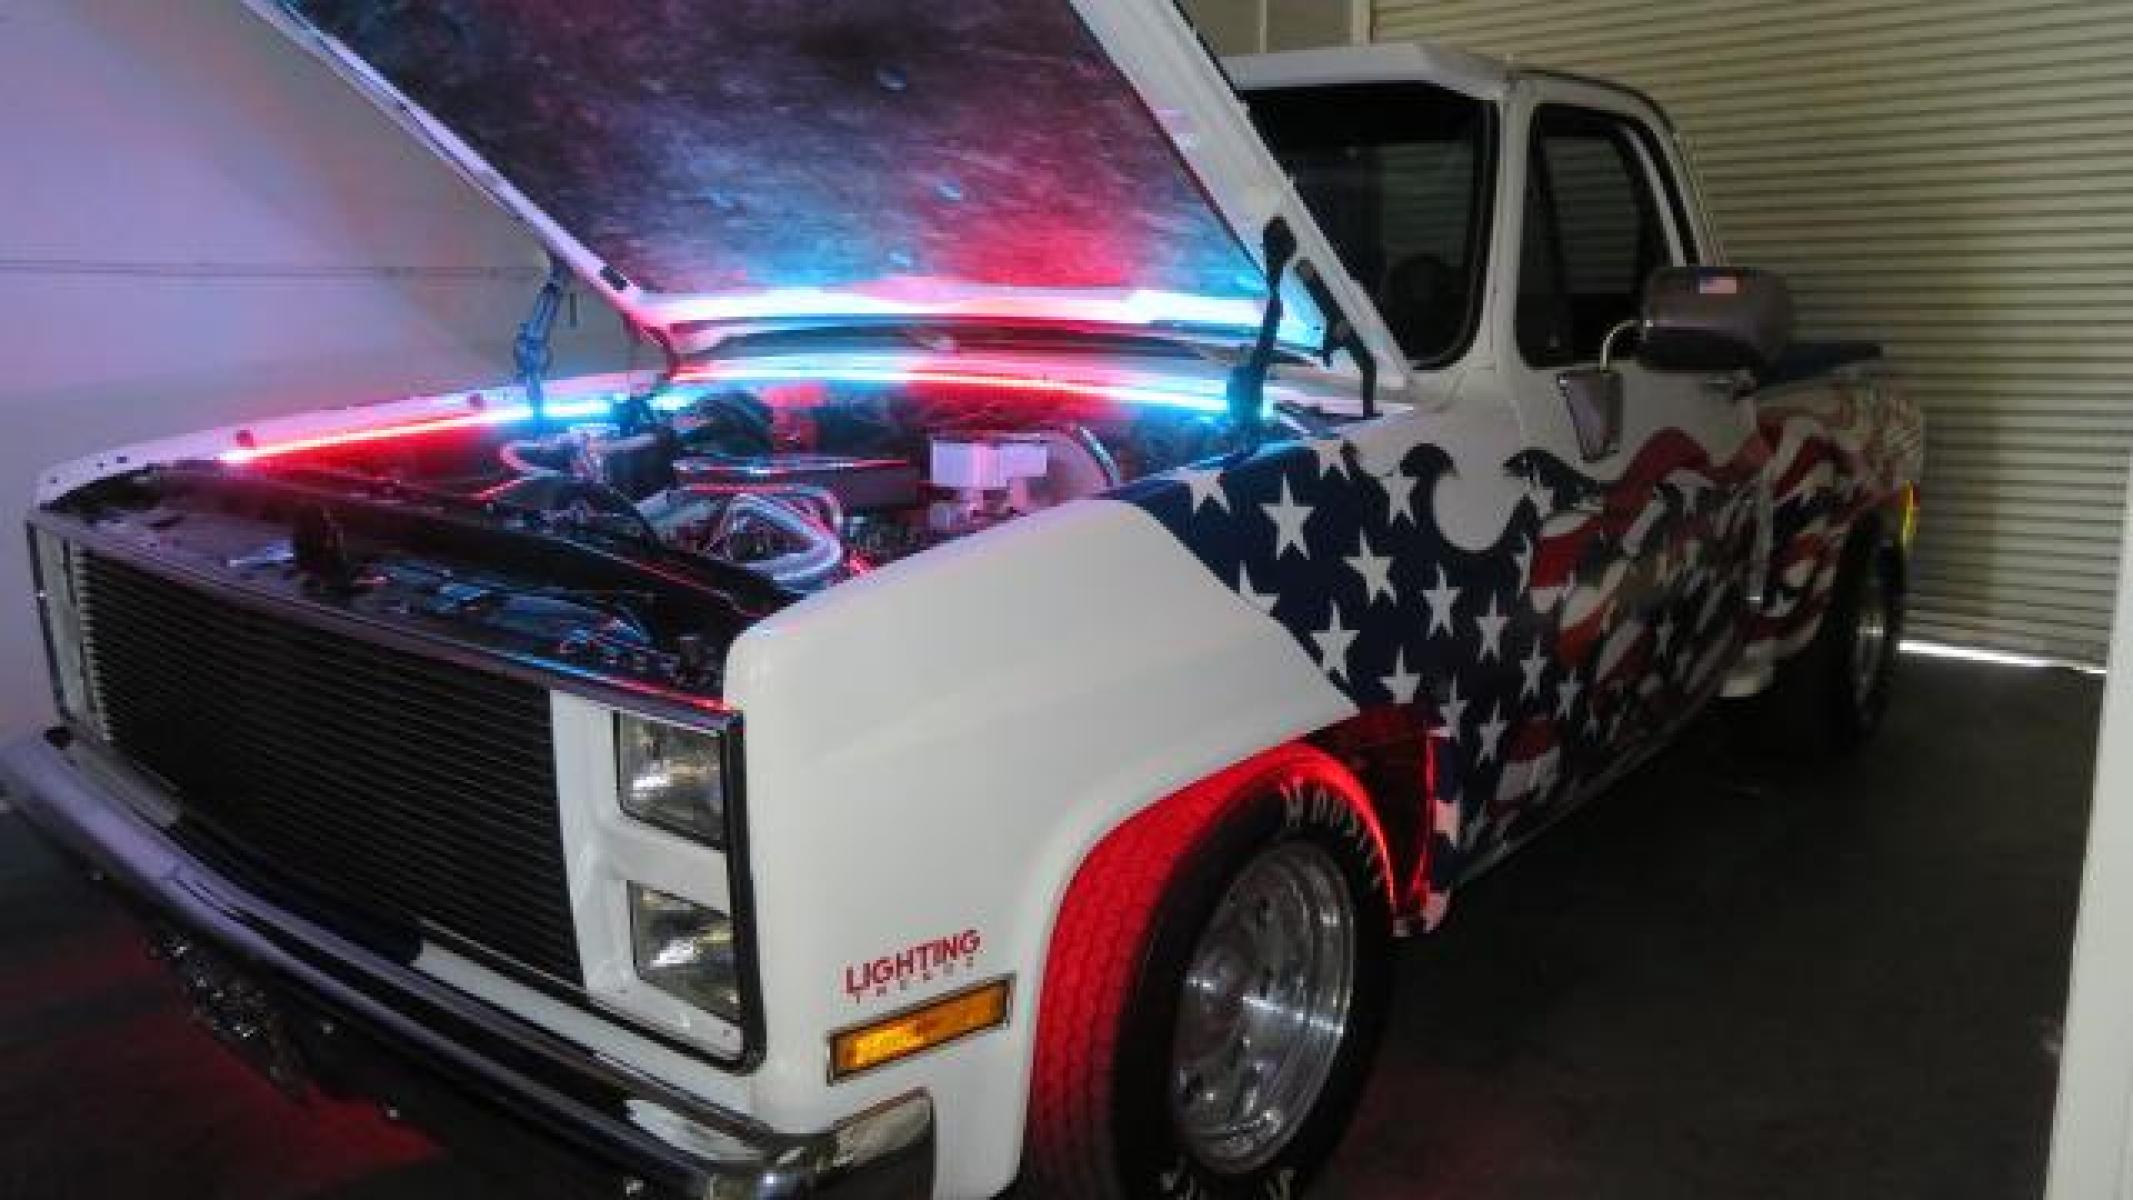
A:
(533, 352)
(1247, 380)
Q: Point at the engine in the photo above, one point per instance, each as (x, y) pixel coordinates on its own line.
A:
(808, 486)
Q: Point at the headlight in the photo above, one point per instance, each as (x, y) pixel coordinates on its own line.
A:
(672, 777)
(686, 951)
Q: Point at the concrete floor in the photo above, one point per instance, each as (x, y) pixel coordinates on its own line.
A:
(1717, 982)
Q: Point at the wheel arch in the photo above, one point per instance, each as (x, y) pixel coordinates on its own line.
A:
(1336, 747)
(1845, 451)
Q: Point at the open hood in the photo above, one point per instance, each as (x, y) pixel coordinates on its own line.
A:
(719, 166)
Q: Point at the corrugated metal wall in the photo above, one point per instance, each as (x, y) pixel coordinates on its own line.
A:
(1253, 26)
(1952, 177)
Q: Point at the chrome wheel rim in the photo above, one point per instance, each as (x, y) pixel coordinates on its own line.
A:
(1264, 1009)
(1870, 640)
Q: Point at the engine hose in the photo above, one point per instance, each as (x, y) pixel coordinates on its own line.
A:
(552, 491)
(821, 555)
(513, 455)
(828, 510)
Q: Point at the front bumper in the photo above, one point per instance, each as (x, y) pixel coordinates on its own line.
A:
(411, 1034)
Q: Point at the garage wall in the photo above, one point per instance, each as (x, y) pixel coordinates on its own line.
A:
(1252, 26)
(2092, 1126)
(1953, 177)
(198, 225)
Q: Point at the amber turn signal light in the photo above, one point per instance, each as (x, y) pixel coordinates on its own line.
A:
(915, 1030)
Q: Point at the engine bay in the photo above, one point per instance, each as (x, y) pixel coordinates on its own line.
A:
(807, 484)
(636, 534)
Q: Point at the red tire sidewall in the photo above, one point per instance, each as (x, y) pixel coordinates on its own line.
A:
(1293, 795)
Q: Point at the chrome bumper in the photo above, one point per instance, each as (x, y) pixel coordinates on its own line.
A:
(424, 1035)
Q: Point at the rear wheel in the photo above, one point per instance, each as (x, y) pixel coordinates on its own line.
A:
(1830, 697)
(1215, 990)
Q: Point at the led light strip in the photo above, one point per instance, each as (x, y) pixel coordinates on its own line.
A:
(1208, 401)
(505, 414)
(380, 433)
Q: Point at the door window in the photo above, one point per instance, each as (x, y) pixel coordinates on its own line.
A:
(1594, 231)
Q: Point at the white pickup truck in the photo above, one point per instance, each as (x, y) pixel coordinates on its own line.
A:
(1099, 559)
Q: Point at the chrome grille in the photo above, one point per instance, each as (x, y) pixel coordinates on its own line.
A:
(401, 786)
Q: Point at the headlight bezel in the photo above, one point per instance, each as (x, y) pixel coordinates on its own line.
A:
(632, 850)
(696, 992)
(715, 828)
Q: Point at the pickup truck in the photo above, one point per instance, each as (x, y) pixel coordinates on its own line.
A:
(1097, 560)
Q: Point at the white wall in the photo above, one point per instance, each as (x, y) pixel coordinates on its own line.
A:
(1230, 26)
(1249, 26)
(2092, 1129)
(1297, 24)
(198, 224)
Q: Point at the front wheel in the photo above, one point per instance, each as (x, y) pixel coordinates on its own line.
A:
(1215, 989)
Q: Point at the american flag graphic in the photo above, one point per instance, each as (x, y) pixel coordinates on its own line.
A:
(1601, 615)
(1838, 451)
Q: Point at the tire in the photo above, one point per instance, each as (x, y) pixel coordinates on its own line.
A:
(1199, 887)
(1829, 698)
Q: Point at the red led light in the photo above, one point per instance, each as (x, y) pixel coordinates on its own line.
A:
(1426, 826)
(1122, 393)
(249, 451)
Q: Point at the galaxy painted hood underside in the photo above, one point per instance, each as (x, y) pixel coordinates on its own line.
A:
(728, 146)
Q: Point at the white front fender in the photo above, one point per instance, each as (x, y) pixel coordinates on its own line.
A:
(933, 749)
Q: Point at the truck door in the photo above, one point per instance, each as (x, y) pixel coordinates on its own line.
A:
(1646, 531)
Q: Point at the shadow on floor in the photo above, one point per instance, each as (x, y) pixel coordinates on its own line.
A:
(1719, 983)
(1715, 982)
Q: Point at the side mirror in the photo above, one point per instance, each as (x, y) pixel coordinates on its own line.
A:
(1714, 319)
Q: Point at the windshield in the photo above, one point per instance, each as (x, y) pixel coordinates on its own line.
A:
(766, 145)
(1398, 176)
